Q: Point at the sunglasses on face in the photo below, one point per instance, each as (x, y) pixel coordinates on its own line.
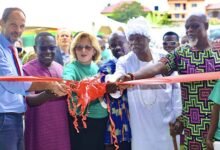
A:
(19, 49)
(171, 43)
(81, 47)
(113, 46)
(44, 48)
(192, 26)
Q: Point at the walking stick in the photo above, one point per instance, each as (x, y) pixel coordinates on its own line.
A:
(173, 135)
(174, 142)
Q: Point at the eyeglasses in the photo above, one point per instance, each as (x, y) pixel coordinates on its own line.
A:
(44, 48)
(115, 44)
(171, 43)
(81, 47)
(192, 26)
(19, 49)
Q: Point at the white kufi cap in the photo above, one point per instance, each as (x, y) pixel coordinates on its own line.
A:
(137, 26)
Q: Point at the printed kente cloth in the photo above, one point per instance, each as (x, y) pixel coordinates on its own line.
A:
(196, 106)
(119, 110)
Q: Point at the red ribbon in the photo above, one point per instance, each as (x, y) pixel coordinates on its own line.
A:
(29, 79)
(176, 79)
(91, 89)
(155, 80)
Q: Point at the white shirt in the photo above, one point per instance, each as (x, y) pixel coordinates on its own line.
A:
(151, 107)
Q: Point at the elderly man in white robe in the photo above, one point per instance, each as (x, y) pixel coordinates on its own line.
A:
(152, 107)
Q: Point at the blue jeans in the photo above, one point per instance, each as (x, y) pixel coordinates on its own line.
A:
(11, 131)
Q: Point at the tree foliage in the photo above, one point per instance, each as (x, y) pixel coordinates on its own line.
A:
(214, 21)
(158, 18)
(127, 11)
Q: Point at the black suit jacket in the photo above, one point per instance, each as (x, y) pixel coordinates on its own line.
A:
(58, 56)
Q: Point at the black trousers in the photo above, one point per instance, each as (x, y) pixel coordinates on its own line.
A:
(122, 146)
(90, 138)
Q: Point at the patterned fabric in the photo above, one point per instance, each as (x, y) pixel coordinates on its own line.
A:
(196, 107)
(215, 97)
(119, 110)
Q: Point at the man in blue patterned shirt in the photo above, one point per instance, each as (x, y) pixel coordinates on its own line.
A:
(118, 106)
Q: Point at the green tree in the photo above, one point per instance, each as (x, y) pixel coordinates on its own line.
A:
(128, 10)
(157, 18)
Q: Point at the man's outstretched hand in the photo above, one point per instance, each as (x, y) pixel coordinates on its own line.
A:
(124, 78)
(112, 87)
(58, 88)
